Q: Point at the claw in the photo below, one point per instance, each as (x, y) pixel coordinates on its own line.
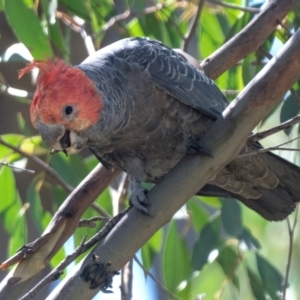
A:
(139, 201)
(138, 198)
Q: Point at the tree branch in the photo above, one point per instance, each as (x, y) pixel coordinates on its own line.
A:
(83, 247)
(193, 25)
(291, 231)
(35, 256)
(263, 134)
(249, 39)
(91, 222)
(130, 14)
(252, 10)
(224, 140)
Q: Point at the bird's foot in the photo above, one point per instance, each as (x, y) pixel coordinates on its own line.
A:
(138, 198)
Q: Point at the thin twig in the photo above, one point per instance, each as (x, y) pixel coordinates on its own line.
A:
(68, 21)
(230, 275)
(75, 26)
(91, 222)
(277, 147)
(83, 247)
(123, 191)
(119, 196)
(291, 231)
(289, 34)
(263, 134)
(172, 21)
(130, 14)
(126, 281)
(39, 162)
(88, 42)
(159, 284)
(55, 273)
(100, 210)
(7, 89)
(264, 52)
(16, 168)
(193, 25)
(253, 10)
(118, 205)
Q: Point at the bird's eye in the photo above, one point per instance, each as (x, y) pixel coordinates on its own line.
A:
(68, 110)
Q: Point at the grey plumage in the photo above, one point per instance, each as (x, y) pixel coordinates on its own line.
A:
(156, 108)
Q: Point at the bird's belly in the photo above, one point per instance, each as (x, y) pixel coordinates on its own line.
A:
(158, 157)
(157, 168)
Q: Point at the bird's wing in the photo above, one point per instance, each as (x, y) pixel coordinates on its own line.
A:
(169, 70)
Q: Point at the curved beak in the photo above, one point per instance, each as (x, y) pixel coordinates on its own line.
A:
(59, 138)
(65, 141)
(51, 134)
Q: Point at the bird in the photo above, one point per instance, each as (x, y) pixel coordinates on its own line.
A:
(142, 106)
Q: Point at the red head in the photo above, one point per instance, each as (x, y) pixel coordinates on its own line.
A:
(60, 86)
(64, 97)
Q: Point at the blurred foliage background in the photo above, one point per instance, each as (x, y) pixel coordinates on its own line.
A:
(213, 248)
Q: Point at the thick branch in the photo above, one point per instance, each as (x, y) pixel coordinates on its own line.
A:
(83, 247)
(61, 227)
(224, 140)
(249, 39)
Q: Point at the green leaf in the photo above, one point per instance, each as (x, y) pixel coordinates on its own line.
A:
(176, 259)
(289, 110)
(208, 282)
(13, 139)
(78, 8)
(134, 28)
(91, 162)
(103, 11)
(198, 213)
(207, 242)
(256, 285)
(54, 29)
(248, 70)
(271, 277)
(251, 241)
(23, 126)
(238, 26)
(211, 201)
(231, 217)
(59, 194)
(18, 233)
(151, 248)
(65, 168)
(33, 197)
(229, 259)
(27, 26)
(7, 188)
(208, 43)
(105, 201)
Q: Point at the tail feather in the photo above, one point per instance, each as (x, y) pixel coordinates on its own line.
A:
(274, 204)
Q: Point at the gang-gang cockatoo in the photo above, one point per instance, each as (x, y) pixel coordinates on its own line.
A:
(142, 106)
